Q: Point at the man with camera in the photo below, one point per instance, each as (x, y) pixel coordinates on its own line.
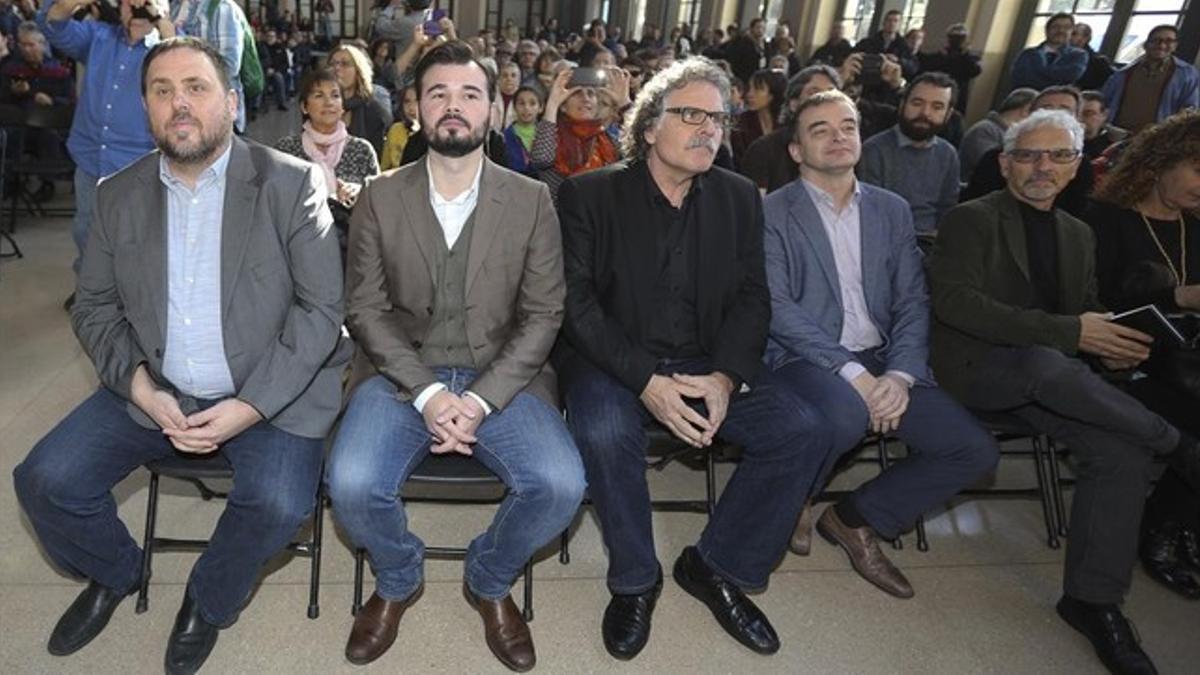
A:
(110, 128)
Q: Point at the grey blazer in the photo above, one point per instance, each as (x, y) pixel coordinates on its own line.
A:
(281, 287)
(806, 298)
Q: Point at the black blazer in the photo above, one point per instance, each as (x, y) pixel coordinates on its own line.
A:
(609, 261)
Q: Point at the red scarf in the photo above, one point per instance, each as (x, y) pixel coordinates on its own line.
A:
(583, 145)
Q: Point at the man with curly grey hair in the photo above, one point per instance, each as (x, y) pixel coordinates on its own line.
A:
(1015, 303)
(666, 321)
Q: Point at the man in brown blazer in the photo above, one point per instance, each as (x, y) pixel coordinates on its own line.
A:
(1014, 296)
(455, 295)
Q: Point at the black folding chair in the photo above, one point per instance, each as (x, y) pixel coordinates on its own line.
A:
(197, 470)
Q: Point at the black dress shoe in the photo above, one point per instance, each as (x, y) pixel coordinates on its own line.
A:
(191, 641)
(1188, 548)
(1111, 636)
(736, 613)
(1158, 550)
(84, 619)
(626, 625)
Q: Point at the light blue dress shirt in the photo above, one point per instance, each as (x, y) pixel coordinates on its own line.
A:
(194, 360)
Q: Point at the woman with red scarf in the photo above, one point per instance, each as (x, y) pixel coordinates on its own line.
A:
(572, 136)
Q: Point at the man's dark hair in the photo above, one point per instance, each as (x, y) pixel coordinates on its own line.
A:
(453, 53)
(1093, 96)
(1067, 89)
(1061, 15)
(1017, 98)
(801, 79)
(892, 12)
(1161, 28)
(194, 44)
(935, 78)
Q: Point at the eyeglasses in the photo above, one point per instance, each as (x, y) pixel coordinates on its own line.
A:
(1058, 156)
(698, 116)
(341, 63)
(1162, 41)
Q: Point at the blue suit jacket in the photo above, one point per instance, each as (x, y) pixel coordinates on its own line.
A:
(806, 299)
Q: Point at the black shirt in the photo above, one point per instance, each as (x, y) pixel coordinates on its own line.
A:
(1041, 244)
(1130, 268)
(676, 334)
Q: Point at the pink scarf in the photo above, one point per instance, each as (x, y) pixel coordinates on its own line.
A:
(328, 158)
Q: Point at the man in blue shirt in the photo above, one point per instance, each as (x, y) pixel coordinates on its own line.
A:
(1054, 61)
(109, 130)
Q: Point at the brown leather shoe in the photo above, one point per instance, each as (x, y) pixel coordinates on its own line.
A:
(375, 627)
(505, 630)
(801, 542)
(862, 547)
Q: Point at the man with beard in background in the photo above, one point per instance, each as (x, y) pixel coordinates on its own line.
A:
(910, 159)
(454, 295)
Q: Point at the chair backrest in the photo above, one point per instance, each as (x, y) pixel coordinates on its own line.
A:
(57, 117)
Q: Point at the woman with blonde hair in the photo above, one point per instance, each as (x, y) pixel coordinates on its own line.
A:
(365, 117)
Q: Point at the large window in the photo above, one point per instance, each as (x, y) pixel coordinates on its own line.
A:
(1146, 15)
(689, 13)
(914, 15)
(1095, 13)
(856, 19)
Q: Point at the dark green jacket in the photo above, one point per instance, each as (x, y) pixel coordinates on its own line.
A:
(982, 294)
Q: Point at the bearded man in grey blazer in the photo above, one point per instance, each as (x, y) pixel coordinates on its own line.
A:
(210, 301)
(455, 295)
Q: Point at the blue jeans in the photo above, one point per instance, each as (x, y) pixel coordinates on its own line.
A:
(65, 486)
(948, 449)
(382, 440)
(85, 200)
(784, 447)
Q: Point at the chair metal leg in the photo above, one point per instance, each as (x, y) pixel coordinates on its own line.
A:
(314, 582)
(16, 250)
(143, 601)
(1060, 509)
(359, 555)
(922, 540)
(564, 551)
(528, 611)
(884, 463)
(1048, 515)
(710, 481)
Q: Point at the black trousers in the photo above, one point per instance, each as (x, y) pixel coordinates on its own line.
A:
(1113, 439)
(1173, 499)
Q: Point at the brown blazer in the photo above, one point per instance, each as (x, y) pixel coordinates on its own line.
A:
(515, 288)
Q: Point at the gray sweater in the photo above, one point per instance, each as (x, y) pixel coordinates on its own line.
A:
(926, 177)
(984, 136)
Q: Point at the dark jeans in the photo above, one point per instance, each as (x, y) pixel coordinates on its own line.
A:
(1113, 439)
(1173, 499)
(65, 486)
(948, 449)
(784, 447)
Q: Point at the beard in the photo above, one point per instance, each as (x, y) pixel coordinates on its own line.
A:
(199, 150)
(456, 143)
(919, 129)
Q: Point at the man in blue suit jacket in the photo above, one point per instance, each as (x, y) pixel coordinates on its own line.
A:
(850, 333)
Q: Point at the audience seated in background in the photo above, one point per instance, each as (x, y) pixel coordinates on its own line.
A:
(1098, 134)
(404, 128)
(855, 343)
(888, 40)
(767, 161)
(988, 133)
(518, 137)
(1144, 217)
(747, 53)
(955, 60)
(1016, 309)
(836, 48)
(1099, 68)
(910, 159)
(30, 76)
(764, 102)
(1155, 86)
(571, 137)
(1054, 62)
(368, 118)
(345, 161)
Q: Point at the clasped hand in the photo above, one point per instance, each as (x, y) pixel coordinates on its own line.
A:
(886, 397)
(452, 421)
(199, 433)
(665, 398)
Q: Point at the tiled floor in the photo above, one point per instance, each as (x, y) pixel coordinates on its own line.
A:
(985, 592)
